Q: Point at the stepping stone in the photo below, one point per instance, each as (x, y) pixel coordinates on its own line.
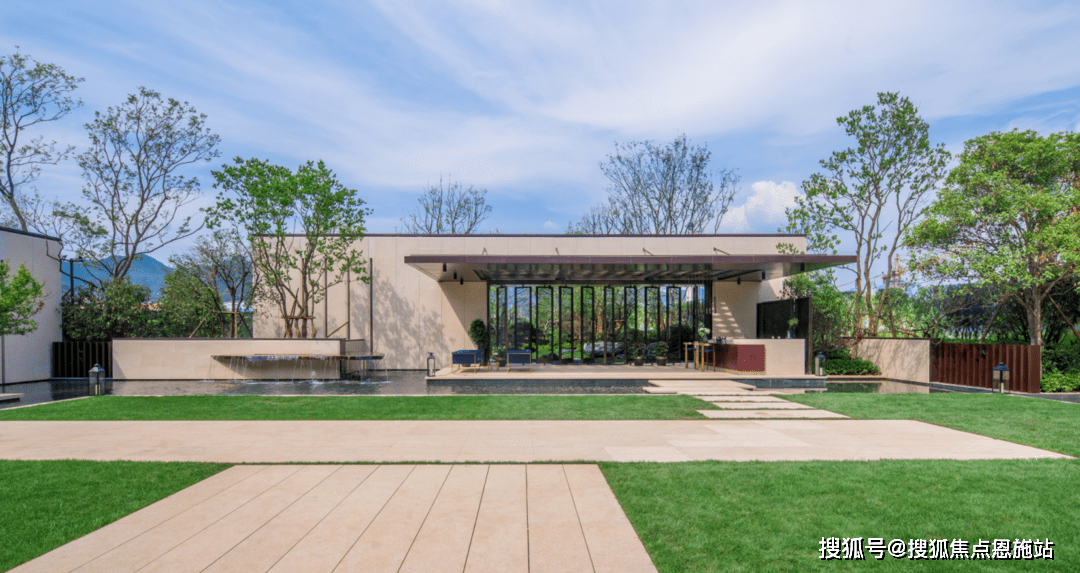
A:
(659, 391)
(761, 406)
(767, 414)
(745, 399)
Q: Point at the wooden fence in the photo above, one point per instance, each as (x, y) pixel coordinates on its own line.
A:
(75, 359)
(973, 365)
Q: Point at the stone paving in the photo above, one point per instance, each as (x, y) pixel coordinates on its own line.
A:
(427, 518)
(470, 518)
(501, 441)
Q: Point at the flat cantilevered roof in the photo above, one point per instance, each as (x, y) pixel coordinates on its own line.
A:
(618, 268)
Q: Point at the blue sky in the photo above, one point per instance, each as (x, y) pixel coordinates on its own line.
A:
(525, 98)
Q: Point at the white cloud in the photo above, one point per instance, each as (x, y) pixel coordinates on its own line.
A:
(642, 68)
(735, 221)
(770, 199)
(551, 226)
(765, 207)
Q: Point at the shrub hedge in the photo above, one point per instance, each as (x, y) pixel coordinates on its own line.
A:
(1055, 381)
(850, 367)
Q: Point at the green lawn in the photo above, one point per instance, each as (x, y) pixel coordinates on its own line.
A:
(45, 504)
(771, 516)
(1046, 424)
(633, 407)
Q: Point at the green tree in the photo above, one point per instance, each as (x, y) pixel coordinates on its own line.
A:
(31, 93)
(873, 191)
(1008, 218)
(20, 299)
(831, 309)
(300, 228)
(117, 309)
(136, 193)
(448, 209)
(208, 289)
(660, 190)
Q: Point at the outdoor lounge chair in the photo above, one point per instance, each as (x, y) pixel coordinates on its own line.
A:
(466, 359)
(518, 358)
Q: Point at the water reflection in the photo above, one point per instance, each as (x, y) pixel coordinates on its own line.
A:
(401, 383)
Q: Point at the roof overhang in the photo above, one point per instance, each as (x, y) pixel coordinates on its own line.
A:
(618, 269)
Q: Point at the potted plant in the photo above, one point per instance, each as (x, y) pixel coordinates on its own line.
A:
(791, 324)
(661, 351)
(498, 356)
(637, 354)
(478, 333)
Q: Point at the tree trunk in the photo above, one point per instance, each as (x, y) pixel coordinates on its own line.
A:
(1033, 306)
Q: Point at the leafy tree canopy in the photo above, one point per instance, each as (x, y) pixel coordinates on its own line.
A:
(873, 191)
(1009, 217)
(20, 299)
(118, 309)
(301, 227)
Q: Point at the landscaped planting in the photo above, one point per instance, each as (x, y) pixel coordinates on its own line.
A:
(497, 407)
(1054, 381)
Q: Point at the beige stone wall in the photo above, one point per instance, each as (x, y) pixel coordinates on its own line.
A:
(734, 310)
(192, 359)
(899, 359)
(28, 357)
(414, 315)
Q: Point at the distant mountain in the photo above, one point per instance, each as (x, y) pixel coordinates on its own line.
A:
(146, 271)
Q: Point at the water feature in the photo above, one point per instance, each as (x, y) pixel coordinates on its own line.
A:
(399, 383)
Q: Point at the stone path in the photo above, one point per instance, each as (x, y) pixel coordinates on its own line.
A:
(427, 518)
(740, 401)
(500, 441)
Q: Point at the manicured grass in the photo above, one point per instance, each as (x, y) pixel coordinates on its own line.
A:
(367, 408)
(771, 516)
(45, 504)
(1046, 424)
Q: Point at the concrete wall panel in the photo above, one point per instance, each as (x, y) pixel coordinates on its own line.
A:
(192, 358)
(27, 357)
(898, 358)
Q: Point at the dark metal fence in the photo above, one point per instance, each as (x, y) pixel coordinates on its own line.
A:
(973, 365)
(75, 359)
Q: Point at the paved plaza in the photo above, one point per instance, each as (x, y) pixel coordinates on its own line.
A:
(426, 519)
(471, 517)
(501, 441)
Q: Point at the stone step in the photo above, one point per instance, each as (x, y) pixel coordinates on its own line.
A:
(768, 414)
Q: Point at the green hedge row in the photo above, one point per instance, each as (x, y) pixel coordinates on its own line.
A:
(850, 367)
(1055, 381)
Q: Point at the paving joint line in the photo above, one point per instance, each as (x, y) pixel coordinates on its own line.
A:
(423, 521)
(373, 518)
(234, 510)
(476, 519)
(259, 528)
(323, 518)
(577, 514)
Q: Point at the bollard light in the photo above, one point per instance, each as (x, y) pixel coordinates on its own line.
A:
(430, 364)
(819, 364)
(1001, 385)
(96, 374)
